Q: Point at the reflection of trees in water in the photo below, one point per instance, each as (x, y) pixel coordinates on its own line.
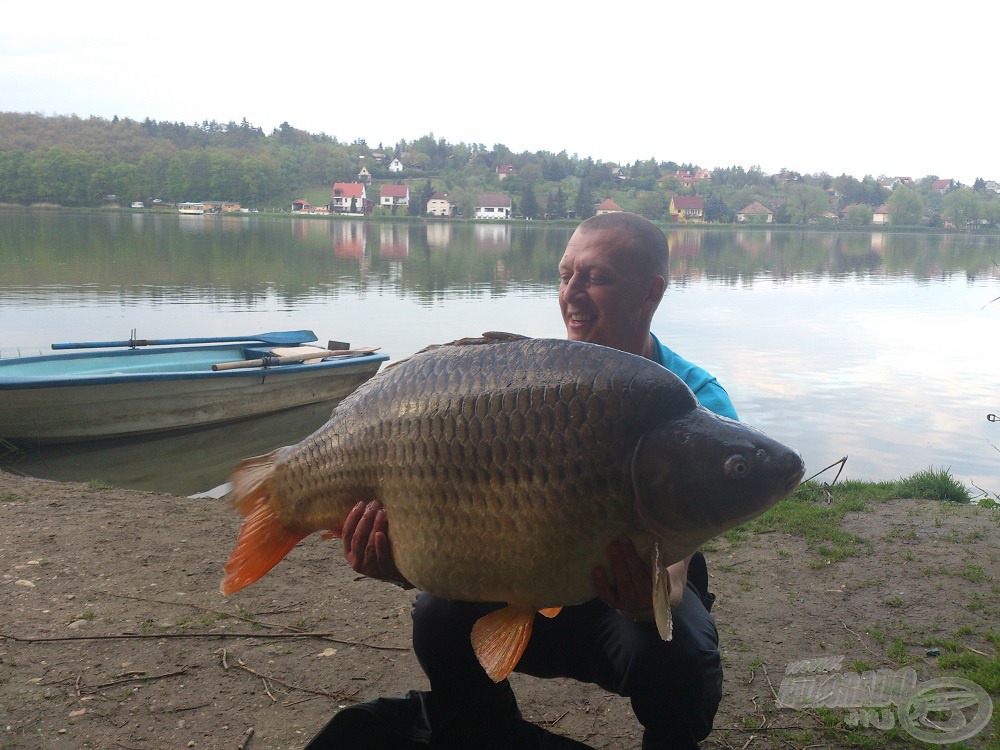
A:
(248, 258)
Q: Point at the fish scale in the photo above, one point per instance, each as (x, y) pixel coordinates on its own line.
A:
(506, 466)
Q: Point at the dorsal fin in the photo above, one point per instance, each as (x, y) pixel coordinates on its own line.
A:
(489, 337)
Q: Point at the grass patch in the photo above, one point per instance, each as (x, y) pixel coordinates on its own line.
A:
(806, 514)
(10, 497)
(983, 670)
(814, 511)
(933, 484)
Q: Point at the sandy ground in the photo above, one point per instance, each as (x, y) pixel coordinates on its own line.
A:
(113, 633)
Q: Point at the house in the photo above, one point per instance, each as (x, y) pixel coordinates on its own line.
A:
(395, 166)
(138, 204)
(993, 186)
(619, 174)
(506, 170)
(225, 207)
(441, 204)
(493, 207)
(891, 182)
(365, 176)
(350, 197)
(391, 196)
(608, 207)
(302, 206)
(191, 207)
(943, 186)
(755, 212)
(880, 216)
(687, 178)
(687, 208)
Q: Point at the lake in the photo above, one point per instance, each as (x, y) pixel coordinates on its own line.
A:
(877, 346)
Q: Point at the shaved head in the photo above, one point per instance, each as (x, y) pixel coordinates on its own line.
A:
(642, 239)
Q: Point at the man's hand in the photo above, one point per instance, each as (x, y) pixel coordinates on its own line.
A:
(632, 592)
(366, 543)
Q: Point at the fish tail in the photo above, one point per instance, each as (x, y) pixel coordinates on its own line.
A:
(264, 539)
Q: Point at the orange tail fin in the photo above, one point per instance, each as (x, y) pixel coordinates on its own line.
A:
(264, 540)
(500, 638)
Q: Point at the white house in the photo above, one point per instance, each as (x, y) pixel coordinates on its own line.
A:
(753, 211)
(349, 197)
(395, 166)
(493, 207)
(394, 195)
(440, 204)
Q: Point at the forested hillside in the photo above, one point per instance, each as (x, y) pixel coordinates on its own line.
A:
(73, 161)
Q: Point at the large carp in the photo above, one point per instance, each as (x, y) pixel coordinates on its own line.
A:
(506, 466)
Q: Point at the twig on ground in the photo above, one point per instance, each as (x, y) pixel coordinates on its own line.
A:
(240, 665)
(857, 636)
(747, 743)
(768, 678)
(245, 742)
(267, 690)
(114, 683)
(220, 634)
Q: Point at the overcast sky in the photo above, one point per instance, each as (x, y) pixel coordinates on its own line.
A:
(881, 88)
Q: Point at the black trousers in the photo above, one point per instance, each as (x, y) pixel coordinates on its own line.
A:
(675, 686)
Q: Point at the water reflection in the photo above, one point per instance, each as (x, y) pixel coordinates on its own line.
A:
(185, 462)
(852, 342)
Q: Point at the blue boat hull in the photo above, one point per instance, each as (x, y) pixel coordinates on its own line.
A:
(93, 395)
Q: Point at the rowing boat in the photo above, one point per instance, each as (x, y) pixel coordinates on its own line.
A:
(148, 387)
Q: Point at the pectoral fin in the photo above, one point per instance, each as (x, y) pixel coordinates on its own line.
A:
(550, 612)
(500, 638)
(661, 595)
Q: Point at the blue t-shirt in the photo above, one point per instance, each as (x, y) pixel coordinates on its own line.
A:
(706, 388)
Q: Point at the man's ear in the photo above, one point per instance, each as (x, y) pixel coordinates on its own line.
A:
(655, 291)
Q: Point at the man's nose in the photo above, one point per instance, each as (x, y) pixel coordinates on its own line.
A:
(575, 287)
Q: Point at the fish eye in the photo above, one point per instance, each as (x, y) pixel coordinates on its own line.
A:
(737, 467)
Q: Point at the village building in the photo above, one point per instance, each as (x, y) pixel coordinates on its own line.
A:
(391, 196)
(755, 212)
(687, 209)
(440, 204)
(492, 206)
(350, 198)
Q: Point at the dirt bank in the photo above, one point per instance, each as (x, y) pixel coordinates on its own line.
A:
(115, 633)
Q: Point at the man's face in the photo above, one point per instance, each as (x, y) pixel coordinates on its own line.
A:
(603, 297)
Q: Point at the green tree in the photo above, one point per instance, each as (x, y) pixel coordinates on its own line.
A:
(859, 214)
(529, 203)
(584, 201)
(964, 207)
(653, 205)
(906, 207)
(806, 202)
(557, 203)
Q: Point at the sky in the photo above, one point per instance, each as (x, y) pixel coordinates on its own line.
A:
(882, 88)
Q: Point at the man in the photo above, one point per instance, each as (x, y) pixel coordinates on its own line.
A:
(612, 277)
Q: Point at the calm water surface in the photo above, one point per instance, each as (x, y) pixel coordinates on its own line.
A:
(877, 347)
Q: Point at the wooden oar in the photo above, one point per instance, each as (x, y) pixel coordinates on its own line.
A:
(275, 337)
(292, 358)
